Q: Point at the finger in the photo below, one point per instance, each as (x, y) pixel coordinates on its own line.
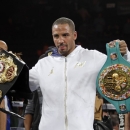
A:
(122, 43)
(123, 50)
(114, 41)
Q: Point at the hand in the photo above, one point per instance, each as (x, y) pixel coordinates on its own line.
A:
(122, 46)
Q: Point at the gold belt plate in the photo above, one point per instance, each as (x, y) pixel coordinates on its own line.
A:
(114, 82)
(8, 70)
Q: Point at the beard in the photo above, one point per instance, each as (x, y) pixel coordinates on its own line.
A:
(62, 49)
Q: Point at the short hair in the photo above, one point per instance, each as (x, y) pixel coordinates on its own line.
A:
(64, 20)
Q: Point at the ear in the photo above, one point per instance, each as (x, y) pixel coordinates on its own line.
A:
(75, 35)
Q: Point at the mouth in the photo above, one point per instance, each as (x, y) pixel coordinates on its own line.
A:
(62, 47)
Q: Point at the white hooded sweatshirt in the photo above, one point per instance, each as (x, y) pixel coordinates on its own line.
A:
(68, 86)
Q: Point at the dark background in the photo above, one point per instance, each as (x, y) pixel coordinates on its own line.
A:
(25, 25)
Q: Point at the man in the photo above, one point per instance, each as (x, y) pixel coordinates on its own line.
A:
(127, 121)
(3, 45)
(115, 121)
(33, 111)
(68, 81)
(3, 116)
(98, 107)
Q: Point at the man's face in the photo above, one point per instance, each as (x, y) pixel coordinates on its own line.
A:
(64, 38)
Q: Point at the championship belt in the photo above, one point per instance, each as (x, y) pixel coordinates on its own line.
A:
(113, 81)
(14, 78)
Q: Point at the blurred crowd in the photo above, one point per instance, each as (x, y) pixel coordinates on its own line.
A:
(28, 24)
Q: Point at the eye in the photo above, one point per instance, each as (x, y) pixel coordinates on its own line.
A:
(66, 34)
(55, 36)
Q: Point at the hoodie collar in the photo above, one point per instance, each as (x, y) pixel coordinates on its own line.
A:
(55, 51)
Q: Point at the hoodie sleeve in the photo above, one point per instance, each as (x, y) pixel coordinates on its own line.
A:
(33, 78)
(127, 55)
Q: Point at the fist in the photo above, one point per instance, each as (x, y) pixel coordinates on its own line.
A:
(122, 46)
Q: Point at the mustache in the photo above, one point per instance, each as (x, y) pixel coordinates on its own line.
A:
(61, 44)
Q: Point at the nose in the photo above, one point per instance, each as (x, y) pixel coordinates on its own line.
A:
(60, 40)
